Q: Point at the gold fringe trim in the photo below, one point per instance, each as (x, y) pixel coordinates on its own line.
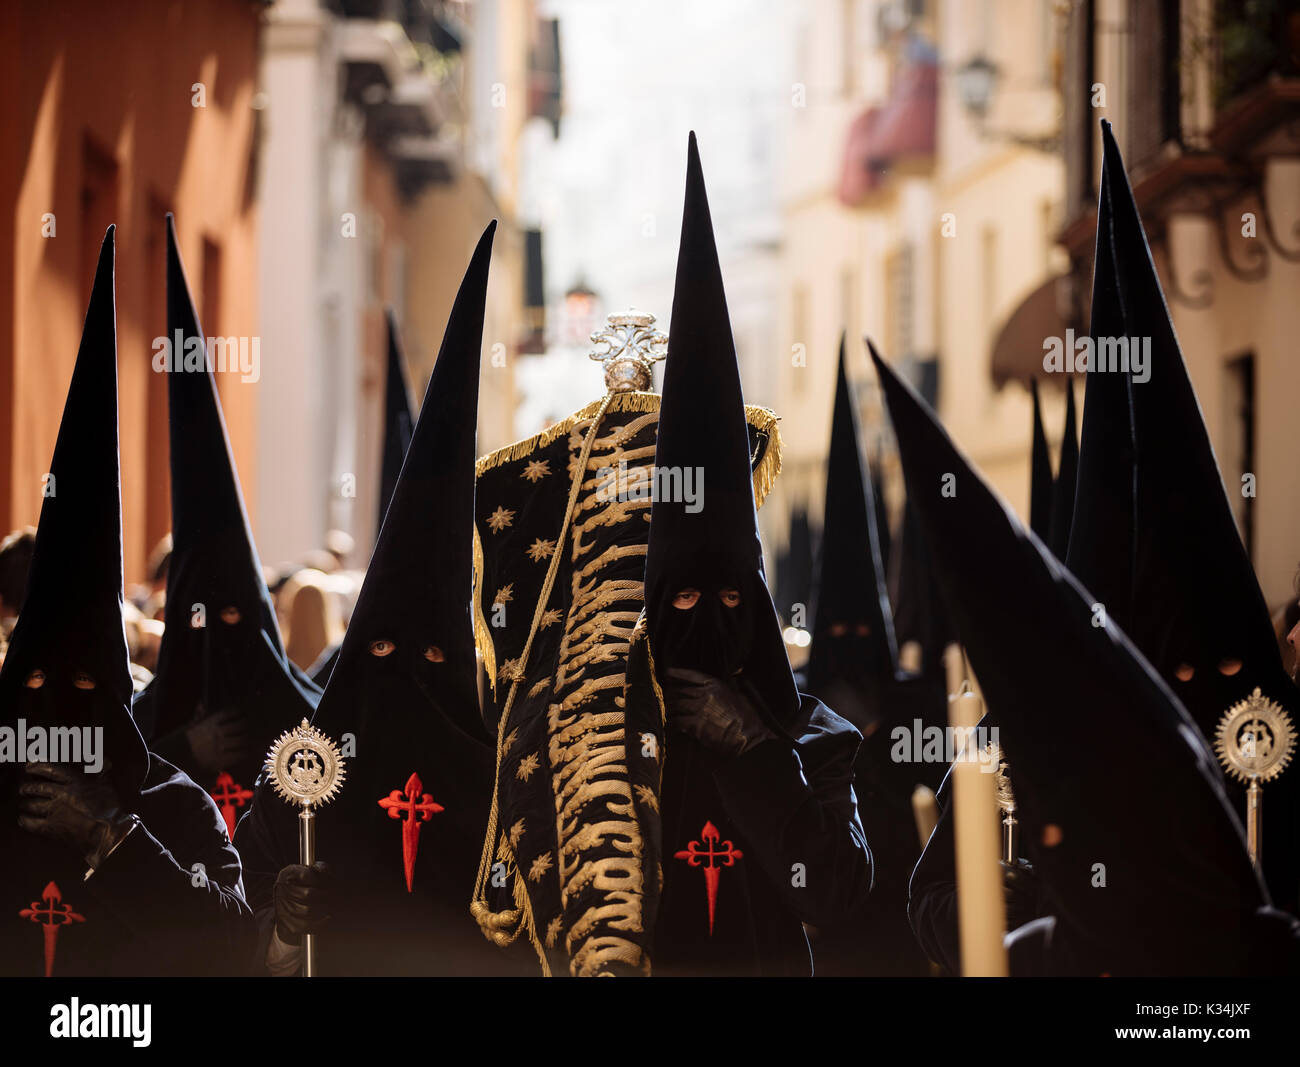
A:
(529, 445)
(762, 419)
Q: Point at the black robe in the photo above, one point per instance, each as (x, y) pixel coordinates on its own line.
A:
(167, 902)
(378, 927)
(876, 939)
(786, 814)
(779, 806)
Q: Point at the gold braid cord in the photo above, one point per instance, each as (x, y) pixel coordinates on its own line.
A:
(601, 850)
(504, 927)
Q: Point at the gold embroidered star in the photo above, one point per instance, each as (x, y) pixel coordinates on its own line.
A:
(500, 519)
(527, 765)
(647, 797)
(552, 931)
(540, 866)
(516, 832)
(505, 594)
(550, 618)
(536, 470)
(509, 671)
(540, 550)
(511, 738)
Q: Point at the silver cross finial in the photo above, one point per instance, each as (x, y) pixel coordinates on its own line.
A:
(629, 346)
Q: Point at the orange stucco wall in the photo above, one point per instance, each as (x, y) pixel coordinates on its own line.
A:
(100, 125)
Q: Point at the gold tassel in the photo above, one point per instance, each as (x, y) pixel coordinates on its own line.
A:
(769, 463)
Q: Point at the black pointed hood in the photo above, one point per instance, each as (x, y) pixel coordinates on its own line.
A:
(1139, 793)
(920, 615)
(1040, 473)
(853, 631)
(399, 422)
(1100, 549)
(795, 569)
(402, 700)
(702, 427)
(1193, 598)
(206, 660)
(884, 536)
(1067, 474)
(418, 588)
(72, 619)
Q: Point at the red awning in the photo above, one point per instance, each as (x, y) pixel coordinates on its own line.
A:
(903, 128)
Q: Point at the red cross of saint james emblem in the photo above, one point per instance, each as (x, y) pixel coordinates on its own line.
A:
(418, 807)
(712, 854)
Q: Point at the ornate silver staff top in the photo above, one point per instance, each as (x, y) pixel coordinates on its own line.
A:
(629, 346)
(305, 766)
(1006, 803)
(1006, 795)
(1255, 739)
(306, 769)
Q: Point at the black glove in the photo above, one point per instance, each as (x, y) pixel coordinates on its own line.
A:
(1021, 889)
(219, 740)
(716, 713)
(83, 811)
(303, 897)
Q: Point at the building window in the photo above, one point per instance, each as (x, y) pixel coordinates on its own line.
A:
(1152, 99)
(900, 301)
(98, 207)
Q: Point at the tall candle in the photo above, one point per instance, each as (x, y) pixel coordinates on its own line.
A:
(981, 909)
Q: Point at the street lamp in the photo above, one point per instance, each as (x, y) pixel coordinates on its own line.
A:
(976, 81)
